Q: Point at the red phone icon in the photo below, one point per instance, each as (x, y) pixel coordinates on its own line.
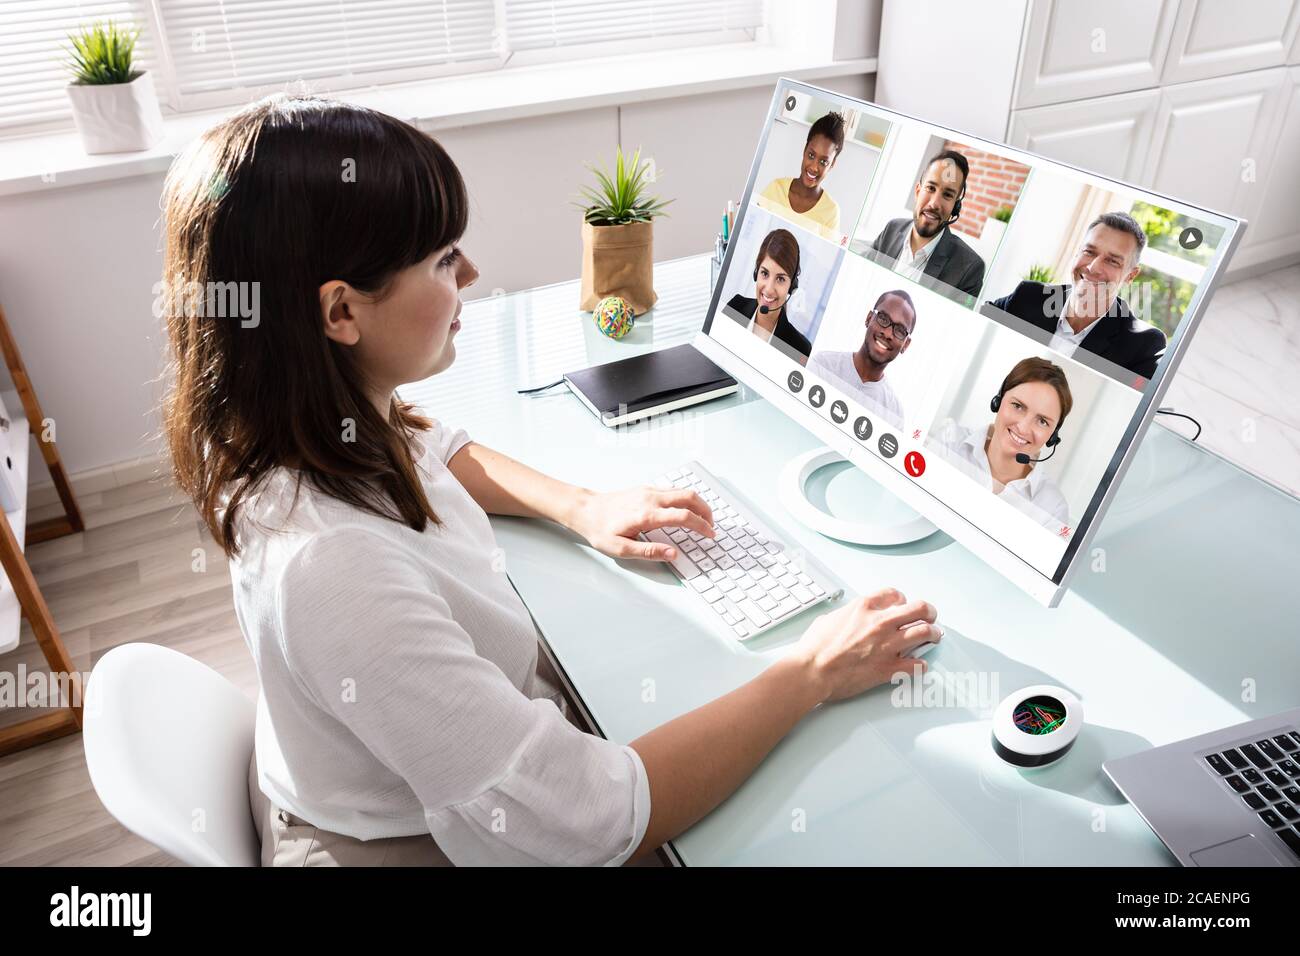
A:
(915, 464)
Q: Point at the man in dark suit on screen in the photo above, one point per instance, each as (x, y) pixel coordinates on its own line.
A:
(1089, 313)
(924, 248)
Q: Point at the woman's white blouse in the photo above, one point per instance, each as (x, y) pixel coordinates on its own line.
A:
(400, 691)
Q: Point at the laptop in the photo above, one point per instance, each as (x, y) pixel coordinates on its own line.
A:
(1226, 798)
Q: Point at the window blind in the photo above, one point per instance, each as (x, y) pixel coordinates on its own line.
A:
(538, 24)
(227, 44)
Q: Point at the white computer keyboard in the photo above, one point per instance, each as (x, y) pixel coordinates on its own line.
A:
(748, 576)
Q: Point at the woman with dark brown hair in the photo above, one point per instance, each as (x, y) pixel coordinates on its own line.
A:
(404, 714)
(776, 278)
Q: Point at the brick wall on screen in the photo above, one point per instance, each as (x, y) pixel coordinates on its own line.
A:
(994, 182)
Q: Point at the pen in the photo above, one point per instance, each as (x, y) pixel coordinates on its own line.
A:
(726, 228)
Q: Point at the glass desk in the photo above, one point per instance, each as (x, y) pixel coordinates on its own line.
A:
(1187, 620)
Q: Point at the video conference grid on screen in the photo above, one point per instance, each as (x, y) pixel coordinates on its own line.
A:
(984, 322)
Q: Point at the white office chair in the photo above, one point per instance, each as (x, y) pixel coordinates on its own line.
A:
(168, 741)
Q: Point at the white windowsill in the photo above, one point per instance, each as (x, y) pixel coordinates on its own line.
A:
(50, 161)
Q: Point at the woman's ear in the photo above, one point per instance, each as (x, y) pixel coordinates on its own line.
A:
(337, 315)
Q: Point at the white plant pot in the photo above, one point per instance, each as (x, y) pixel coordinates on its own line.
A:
(117, 117)
(993, 231)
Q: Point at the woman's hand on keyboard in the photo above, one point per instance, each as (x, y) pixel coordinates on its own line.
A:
(858, 646)
(611, 521)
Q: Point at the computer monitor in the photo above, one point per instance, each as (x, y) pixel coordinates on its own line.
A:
(985, 332)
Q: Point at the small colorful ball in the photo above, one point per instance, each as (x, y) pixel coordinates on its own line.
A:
(614, 316)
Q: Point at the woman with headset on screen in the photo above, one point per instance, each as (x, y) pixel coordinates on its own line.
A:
(776, 279)
(1029, 410)
(804, 199)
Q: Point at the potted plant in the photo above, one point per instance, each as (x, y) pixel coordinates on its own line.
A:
(618, 234)
(114, 106)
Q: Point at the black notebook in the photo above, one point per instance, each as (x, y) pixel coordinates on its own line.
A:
(650, 384)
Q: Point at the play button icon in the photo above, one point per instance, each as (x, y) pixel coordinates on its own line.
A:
(1191, 237)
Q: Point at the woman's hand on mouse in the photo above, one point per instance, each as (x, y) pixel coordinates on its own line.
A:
(858, 646)
(611, 521)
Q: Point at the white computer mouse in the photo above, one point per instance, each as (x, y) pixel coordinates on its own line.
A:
(922, 649)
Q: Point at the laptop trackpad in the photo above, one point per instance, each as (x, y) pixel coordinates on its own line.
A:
(1243, 851)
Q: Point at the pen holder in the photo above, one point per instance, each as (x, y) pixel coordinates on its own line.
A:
(715, 263)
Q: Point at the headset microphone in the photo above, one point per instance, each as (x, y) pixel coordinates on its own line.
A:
(764, 309)
(1024, 459)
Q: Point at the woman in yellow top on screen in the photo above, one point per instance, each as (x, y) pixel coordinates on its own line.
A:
(804, 200)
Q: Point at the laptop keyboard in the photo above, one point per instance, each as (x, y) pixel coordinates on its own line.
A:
(749, 578)
(1265, 776)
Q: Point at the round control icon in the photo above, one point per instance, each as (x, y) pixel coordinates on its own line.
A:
(839, 412)
(862, 428)
(791, 102)
(888, 445)
(1191, 237)
(816, 396)
(915, 464)
(795, 381)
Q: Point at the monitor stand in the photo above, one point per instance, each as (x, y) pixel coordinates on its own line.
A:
(886, 520)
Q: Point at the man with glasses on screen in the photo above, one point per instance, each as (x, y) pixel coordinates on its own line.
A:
(1089, 313)
(889, 328)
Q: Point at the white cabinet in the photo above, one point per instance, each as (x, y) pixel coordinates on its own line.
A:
(1213, 140)
(1075, 50)
(1111, 135)
(1274, 232)
(1213, 38)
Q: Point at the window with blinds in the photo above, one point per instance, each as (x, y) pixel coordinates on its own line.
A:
(206, 53)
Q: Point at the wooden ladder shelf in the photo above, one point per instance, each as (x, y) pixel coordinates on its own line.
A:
(67, 718)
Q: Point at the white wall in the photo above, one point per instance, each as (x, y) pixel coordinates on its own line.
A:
(77, 270)
(78, 263)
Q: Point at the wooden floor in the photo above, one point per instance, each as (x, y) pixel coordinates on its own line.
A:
(142, 571)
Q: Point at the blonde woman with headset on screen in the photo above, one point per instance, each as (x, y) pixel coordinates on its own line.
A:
(404, 709)
(1029, 409)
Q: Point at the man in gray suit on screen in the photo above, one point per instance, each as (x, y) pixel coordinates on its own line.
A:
(924, 248)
